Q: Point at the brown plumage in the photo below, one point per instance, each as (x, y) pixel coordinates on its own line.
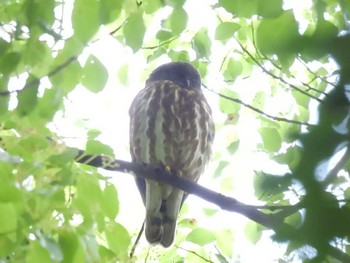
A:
(170, 125)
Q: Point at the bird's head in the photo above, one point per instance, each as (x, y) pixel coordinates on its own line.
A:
(181, 73)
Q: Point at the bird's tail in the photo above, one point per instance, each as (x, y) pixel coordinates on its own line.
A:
(161, 223)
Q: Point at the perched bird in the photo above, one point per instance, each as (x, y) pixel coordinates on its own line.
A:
(170, 125)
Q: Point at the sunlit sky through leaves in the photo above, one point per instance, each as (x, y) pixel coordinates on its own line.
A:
(107, 111)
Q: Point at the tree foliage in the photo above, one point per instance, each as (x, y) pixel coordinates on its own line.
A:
(56, 210)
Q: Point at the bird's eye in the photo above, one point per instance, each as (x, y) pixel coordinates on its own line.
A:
(188, 82)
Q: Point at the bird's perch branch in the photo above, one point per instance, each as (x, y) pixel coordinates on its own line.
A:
(160, 174)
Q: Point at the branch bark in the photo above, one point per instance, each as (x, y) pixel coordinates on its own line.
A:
(160, 174)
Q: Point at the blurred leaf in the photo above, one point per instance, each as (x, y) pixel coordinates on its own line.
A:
(8, 219)
(151, 6)
(221, 166)
(118, 239)
(233, 147)
(291, 157)
(202, 44)
(164, 35)
(253, 231)
(27, 98)
(221, 258)
(233, 70)
(94, 75)
(51, 246)
(38, 254)
(68, 78)
(226, 30)
(50, 103)
(227, 106)
(175, 3)
(97, 147)
(123, 74)
(271, 139)
(178, 20)
(241, 8)
(134, 24)
(38, 56)
(224, 240)
(282, 39)
(63, 158)
(109, 10)
(71, 247)
(85, 19)
(9, 62)
(110, 205)
(201, 236)
(325, 31)
(270, 8)
(209, 211)
(268, 184)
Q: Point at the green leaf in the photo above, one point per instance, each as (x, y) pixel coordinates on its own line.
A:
(270, 8)
(97, 147)
(38, 55)
(123, 74)
(224, 240)
(8, 219)
(253, 231)
(175, 3)
(282, 39)
(233, 147)
(38, 254)
(27, 98)
(226, 30)
(68, 78)
(94, 75)
(110, 10)
(202, 44)
(9, 62)
(164, 35)
(268, 184)
(222, 165)
(85, 19)
(51, 246)
(63, 158)
(110, 204)
(178, 20)
(233, 69)
(151, 6)
(240, 8)
(118, 239)
(271, 139)
(71, 247)
(134, 30)
(9, 193)
(50, 103)
(227, 106)
(201, 236)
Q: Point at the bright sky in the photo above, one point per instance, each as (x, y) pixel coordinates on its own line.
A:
(108, 112)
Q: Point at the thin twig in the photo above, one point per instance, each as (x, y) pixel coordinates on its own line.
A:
(277, 77)
(256, 109)
(194, 253)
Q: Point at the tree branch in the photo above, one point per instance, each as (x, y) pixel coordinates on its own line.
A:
(276, 77)
(160, 174)
(256, 109)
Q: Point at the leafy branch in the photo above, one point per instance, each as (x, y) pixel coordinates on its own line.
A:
(160, 174)
(36, 81)
(256, 109)
(277, 77)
